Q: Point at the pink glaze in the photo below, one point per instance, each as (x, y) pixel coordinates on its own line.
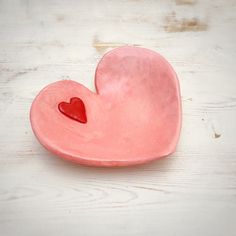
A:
(134, 117)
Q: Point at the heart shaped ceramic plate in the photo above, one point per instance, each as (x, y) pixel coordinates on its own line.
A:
(133, 117)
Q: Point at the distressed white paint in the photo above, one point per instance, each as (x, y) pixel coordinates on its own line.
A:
(193, 192)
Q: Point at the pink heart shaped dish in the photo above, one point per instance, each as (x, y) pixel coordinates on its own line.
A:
(134, 117)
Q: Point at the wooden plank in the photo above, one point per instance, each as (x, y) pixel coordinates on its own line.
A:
(190, 193)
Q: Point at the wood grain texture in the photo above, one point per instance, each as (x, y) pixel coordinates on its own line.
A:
(193, 192)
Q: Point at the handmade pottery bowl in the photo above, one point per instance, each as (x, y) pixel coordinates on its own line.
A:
(133, 117)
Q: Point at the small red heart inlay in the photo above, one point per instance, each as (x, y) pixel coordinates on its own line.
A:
(75, 109)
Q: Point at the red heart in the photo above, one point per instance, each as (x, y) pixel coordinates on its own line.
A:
(74, 110)
(133, 117)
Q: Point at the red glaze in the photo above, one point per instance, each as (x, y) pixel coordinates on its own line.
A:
(74, 110)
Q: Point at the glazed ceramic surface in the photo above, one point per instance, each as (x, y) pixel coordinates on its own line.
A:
(133, 117)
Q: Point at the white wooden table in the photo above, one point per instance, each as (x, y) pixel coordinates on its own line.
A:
(193, 192)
